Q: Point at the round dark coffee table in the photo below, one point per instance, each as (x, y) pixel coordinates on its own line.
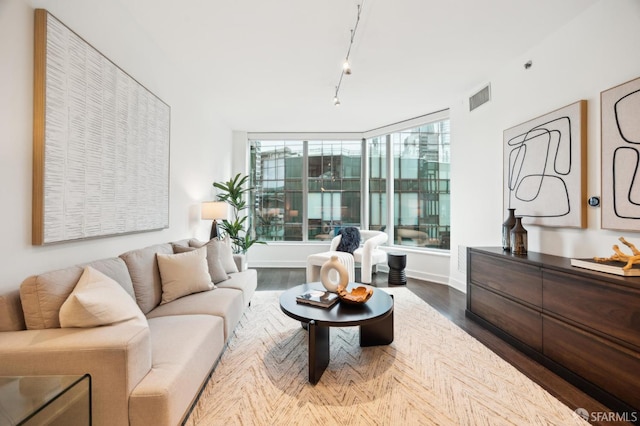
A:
(375, 318)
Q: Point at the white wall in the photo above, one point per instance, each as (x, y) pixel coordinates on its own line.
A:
(200, 145)
(594, 52)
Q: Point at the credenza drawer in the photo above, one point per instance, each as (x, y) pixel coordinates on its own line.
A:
(517, 320)
(610, 309)
(603, 363)
(513, 279)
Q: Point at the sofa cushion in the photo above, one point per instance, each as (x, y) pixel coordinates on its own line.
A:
(246, 281)
(180, 367)
(116, 269)
(181, 243)
(145, 275)
(98, 300)
(216, 271)
(220, 249)
(43, 295)
(11, 317)
(183, 274)
(222, 302)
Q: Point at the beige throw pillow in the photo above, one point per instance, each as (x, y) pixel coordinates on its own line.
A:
(220, 249)
(216, 269)
(98, 300)
(183, 274)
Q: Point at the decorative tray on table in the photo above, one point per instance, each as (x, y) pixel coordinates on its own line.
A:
(357, 296)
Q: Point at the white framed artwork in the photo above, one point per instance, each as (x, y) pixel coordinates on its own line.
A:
(101, 143)
(620, 159)
(544, 162)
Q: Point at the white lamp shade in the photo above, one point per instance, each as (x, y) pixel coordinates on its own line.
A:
(212, 210)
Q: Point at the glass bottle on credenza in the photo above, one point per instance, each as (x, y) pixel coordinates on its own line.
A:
(518, 237)
(506, 229)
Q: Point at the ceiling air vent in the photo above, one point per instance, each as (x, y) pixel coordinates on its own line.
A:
(482, 97)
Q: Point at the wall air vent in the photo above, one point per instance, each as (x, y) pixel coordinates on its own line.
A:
(482, 97)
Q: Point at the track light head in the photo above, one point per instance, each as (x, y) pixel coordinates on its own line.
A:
(346, 67)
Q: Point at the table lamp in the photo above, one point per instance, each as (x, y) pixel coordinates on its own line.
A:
(214, 210)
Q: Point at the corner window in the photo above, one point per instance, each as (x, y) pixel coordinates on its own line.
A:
(306, 189)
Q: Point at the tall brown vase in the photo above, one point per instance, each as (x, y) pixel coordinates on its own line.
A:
(506, 229)
(518, 238)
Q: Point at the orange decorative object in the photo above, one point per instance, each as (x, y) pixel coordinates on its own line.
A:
(619, 256)
(357, 296)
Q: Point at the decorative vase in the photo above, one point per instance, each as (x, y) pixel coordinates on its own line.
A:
(330, 269)
(518, 238)
(506, 229)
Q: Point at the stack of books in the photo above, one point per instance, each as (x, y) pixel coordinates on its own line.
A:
(319, 298)
(610, 267)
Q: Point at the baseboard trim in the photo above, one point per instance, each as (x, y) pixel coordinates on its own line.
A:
(411, 273)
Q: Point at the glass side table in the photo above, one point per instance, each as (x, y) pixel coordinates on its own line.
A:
(45, 400)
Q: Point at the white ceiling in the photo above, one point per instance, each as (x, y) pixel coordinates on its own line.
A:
(272, 65)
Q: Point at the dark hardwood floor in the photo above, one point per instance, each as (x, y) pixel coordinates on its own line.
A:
(451, 303)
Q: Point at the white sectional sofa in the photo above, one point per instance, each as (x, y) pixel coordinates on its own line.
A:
(144, 371)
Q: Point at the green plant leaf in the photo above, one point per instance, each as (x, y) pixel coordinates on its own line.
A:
(233, 192)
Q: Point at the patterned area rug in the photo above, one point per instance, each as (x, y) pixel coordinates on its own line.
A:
(432, 374)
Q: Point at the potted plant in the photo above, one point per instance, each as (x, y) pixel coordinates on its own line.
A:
(233, 192)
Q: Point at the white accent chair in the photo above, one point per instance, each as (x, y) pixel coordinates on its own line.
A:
(315, 262)
(368, 254)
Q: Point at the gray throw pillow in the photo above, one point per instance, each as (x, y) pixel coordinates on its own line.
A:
(220, 248)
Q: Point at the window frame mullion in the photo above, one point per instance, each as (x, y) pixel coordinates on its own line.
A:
(305, 191)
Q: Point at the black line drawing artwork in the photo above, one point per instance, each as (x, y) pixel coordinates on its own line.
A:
(626, 158)
(539, 160)
(544, 168)
(620, 115)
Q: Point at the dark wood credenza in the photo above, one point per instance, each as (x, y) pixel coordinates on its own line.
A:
(583, 325)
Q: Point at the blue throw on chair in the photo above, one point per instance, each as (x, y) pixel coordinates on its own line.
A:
(350, 240)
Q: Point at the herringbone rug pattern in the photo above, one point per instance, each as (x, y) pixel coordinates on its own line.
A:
(432, 374)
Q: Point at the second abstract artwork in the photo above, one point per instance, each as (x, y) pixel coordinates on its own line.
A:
(620, 109)
(545, 168)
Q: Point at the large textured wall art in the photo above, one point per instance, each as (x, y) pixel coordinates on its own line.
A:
(620, 114)
(544, 168)
(101, 143)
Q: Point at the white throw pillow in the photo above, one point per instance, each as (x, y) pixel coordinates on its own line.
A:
(183, 274)
(98, 300)
(216, 270)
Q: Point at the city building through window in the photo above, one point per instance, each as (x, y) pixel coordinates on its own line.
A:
(305, 190)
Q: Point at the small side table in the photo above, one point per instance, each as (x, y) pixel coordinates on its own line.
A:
(45, 400)
(397, 262)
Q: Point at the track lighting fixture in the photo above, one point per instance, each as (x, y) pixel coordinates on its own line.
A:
(336, 101)
(346, 66)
